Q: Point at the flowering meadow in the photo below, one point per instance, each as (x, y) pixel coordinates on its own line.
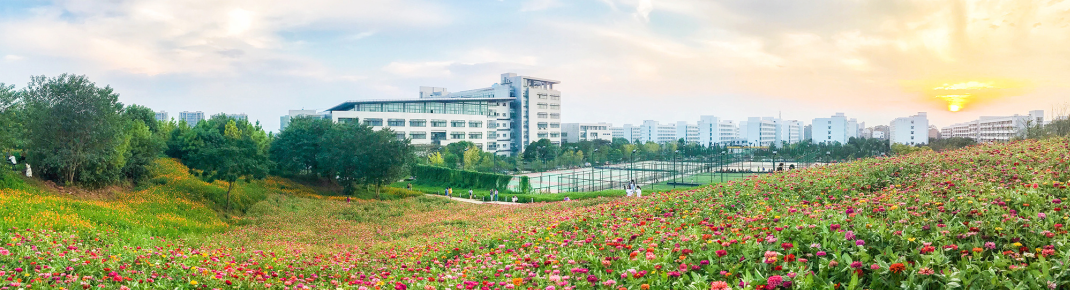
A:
(984, 217)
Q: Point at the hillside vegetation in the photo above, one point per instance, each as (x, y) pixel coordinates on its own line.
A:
(984, 217)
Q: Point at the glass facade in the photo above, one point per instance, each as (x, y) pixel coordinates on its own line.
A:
(459, 108)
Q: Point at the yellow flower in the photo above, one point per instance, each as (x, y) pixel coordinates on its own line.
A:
(999, 228)
(193, 282)
(910, 239)
(1017, 244)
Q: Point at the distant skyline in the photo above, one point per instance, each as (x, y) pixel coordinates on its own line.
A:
(619, 61)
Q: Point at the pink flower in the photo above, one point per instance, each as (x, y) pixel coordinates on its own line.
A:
(719, 285)
(650, 256)
(774, 280)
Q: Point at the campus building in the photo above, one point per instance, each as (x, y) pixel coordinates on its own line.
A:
(714, 130)
(913, 130)
(502, 118)
(191, 118)
(687, 132)
(239, 117)
(627, 131)
(834, 129)
(994, 128)
(576, 132)
(162, 116)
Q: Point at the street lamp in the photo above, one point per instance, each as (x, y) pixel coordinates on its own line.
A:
(592, 167)
(631, 164)
(674, 172)
(773, 169)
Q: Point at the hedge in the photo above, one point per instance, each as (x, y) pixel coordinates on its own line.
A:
(434, 175)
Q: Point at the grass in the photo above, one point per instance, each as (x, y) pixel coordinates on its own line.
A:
(173, 204)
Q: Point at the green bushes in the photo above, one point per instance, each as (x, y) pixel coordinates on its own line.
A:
(434, 175)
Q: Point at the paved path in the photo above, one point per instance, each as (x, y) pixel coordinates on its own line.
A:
(475, 201)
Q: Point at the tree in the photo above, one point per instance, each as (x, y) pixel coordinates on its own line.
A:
(10, 125)
(145, 140)
(223, 149)
(472, 156)
(354, 154)
(435, 159)
(73, 130)
(296, 150)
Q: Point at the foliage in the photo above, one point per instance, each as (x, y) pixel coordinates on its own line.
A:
(222, 149)
(472, 156)
(356, 154)
(145, 139)
(435, 159)
(950, 143)
(74, 131)
(10, 126)
(435, 175)
(903, 149)
(296, 149)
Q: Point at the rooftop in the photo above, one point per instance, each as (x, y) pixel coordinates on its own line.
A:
(349, 104)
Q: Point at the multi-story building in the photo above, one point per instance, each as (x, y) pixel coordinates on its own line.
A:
(627, 131)
(758, 131)
(994, 128)
(191, 118)
(652, 131)
(808, 133)
(687, 132)
(162, 116)
(240, 117)
(576, 132)
(913, 130)
(714, 130)
(787, 131)
(881, 132)
(285, 120)
(502, 118)
(834, 129)
(934, 132)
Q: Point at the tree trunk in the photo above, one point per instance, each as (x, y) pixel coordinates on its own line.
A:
(230, 187)
(377, 194)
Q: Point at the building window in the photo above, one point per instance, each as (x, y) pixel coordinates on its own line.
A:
(542, 96)
(400, 135)
(438, 123)
(457, 135)
(475, 136)
(555, 106)
(454, 108)
(542, 115)
(492, 146)
(414, 108)
(555, 116)
(395, 122)
(542, 135)
(541, 125)
(555, 97)
(417, 123)
(554, 135)
(555, 125)
(418, 135)
(475, 124)
(457, 124)
(347, 120)
(492, 134)
(542, 105)
(492, 125)
(373, 122)
(437, 108)
(393, 107)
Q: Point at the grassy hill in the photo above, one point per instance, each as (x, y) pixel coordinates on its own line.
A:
(984, 217)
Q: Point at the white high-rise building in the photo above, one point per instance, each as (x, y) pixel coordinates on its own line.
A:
(241, 117)
(758, 131)
(687, 132)
(913, 130)
(787, 131)
(835, 129)
(162, 116)
(994, 128)
(576, 132)
(714, 130)
(652, 131)
(503, 118)
(627, 132)
(191, 118)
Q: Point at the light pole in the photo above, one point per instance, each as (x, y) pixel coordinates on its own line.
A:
(593, 154)
(674, 172)
(773, 169)
(631, 165)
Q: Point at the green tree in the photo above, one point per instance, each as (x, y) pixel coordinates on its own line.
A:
(355, 154)
(296, 150)
(145, 140)
(472, 156)
(10, 125)
(223, 149)
(74, 131)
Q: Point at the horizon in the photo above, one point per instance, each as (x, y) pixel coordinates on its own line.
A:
(619, 61)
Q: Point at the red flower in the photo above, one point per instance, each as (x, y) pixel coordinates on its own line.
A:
(786, 246)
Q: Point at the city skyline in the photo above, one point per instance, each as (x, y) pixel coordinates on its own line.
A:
(628, 60)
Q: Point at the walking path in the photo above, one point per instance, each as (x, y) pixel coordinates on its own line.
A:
(476, 201)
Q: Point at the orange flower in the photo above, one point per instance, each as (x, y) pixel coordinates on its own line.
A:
(897, 267)
(977, 250)
(644, 287)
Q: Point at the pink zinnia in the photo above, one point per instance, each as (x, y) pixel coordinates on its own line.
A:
(774, 280)
(719, 285)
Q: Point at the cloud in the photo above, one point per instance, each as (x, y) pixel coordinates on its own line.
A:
(12, 57)
(538, 5)
(642, 11)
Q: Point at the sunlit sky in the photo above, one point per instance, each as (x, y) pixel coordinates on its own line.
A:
(619, 61)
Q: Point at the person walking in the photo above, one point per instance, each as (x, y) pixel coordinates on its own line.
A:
(628, 190)
(469, 193)
(638, 191)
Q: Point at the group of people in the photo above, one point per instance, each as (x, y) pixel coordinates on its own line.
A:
(781, 167)
(633, 189)
(493, 194)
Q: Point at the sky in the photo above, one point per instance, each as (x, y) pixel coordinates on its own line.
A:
(618, 61)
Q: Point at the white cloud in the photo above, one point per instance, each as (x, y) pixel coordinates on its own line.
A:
(642, 11)
(537, 5)
(419, 69)
(12, 57)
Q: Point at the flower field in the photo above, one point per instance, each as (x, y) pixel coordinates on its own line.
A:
(985, 217)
